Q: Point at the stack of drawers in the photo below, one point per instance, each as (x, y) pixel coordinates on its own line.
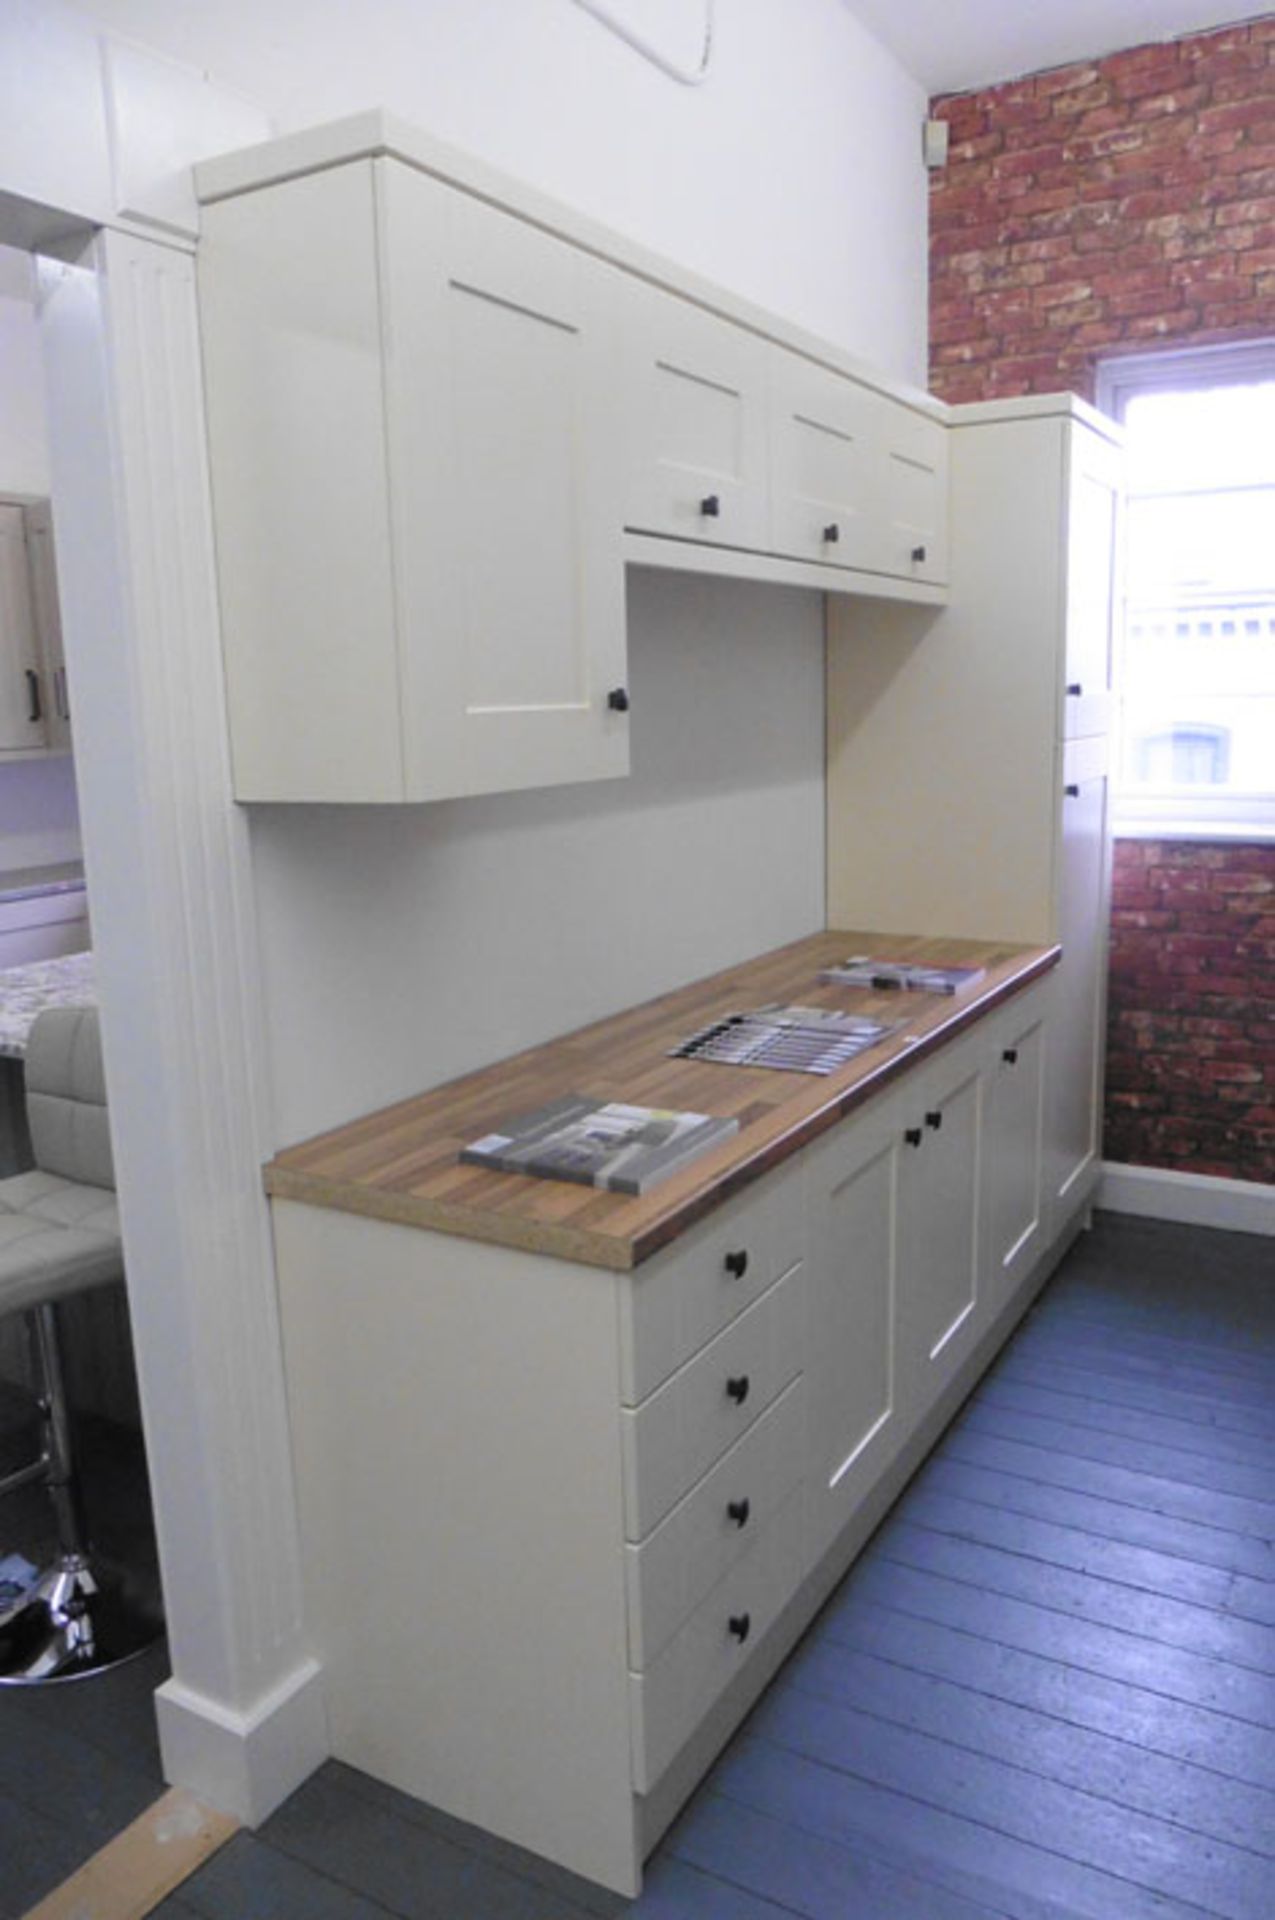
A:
(712, 1355)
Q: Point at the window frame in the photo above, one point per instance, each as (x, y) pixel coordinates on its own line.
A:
(1177, 813)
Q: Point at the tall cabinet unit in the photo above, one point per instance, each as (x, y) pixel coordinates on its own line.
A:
(967, 752)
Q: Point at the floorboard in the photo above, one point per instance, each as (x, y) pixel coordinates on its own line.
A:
(1046, 1691)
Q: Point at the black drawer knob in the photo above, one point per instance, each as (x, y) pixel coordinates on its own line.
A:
(736, 1263)
(1072, 792)
(1074, 689)
(832, 533)
(1010, 1056)
(913, 1136)
(934, 1120)
(918, 559)
(737, 1388)
(618, 700)
(741, 1625)
(710, 506)
(738, 1511)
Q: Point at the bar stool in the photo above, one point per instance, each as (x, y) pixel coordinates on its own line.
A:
(59, 1235)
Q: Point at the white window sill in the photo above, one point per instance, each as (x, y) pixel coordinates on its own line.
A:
(1140, 828)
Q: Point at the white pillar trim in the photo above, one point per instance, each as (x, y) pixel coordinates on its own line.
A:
(169, 876)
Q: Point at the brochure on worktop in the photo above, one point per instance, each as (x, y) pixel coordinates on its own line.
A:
(872, 970)
(624, 1149)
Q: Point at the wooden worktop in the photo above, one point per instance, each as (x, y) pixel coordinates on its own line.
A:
(401, 1163)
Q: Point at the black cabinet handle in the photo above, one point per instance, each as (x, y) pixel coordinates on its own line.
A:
(934, 1120)
(738, 1511)
(618, 700)
(737, 1388)
(913, 1136)
(736, 1263)
(918, 556)
(741, 1625)
(710, 506)
(1010, 1056)
(1072, 792)
(832, 533)
(33, 695)
(1074, 689)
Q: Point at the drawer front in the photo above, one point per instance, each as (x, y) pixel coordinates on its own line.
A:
(676, 1435)
(678, 1301)
(714, 1526)
(669, 1700)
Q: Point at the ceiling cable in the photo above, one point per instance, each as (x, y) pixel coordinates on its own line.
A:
(606, 12)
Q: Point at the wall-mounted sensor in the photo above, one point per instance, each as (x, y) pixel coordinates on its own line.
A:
(934, 142)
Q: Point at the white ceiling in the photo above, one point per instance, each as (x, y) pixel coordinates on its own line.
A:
(952, 46)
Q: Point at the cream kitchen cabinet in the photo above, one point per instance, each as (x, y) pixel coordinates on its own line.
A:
(603, 1500)
(415, 488)
(23, 709)
(1014, 1198)
(697, 449)
(952, 751)
(443, 412)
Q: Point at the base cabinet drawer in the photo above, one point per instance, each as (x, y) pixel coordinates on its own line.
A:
(670, 1699)
(671, 1440)
(678, 1301)
(717, 1523)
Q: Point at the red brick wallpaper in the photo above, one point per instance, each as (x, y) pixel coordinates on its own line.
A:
(1191, 1028)
(1103, 208)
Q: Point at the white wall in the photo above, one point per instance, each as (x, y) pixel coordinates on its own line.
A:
(404, 946)
(39, 821)
(793, 175)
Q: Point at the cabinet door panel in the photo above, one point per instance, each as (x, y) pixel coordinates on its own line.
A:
(1092, 526)
(499, 367)
(1077, 1028)
(854, 1402)
(696, 390)
(910, 485)
(1013, 1174)
(48, 620)
(820, 454)
(938, 1209)
(22, 723)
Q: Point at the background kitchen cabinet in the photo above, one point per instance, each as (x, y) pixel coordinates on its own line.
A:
(42, 557)
(23, 726)
(821, 458)
(1013, 1178)
(952, 744)
(415, 484)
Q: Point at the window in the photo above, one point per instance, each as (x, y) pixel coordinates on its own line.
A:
(1196, 675)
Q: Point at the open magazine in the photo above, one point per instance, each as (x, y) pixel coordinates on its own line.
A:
(624, 1149)
(870, 970)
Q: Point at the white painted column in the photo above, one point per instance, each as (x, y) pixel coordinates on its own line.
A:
(241, 1720)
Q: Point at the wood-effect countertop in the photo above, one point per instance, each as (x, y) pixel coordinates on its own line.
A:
(401, 1163)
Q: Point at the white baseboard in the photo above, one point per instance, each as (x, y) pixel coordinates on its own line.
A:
(1199, 1199)
(245, 1764)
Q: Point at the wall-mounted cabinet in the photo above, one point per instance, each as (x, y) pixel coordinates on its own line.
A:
(442, 414)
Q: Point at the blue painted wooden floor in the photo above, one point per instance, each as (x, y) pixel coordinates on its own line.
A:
(1047, 1689)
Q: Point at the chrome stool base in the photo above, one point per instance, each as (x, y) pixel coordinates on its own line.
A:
(78, 1618)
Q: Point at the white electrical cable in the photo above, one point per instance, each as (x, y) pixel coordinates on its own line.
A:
(603, 10)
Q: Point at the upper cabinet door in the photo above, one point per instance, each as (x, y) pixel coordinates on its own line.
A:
(695, 391)
(500, 372)
(910, 491)
(821, 453)
(48, 621)
(22, 718)
(1093, 516)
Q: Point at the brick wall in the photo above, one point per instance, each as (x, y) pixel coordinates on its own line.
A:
(1102, 208)
(1111, 207)
(1191, 1032)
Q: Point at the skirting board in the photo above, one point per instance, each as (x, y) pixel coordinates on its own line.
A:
(1197, 1199)
(246, 1764)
